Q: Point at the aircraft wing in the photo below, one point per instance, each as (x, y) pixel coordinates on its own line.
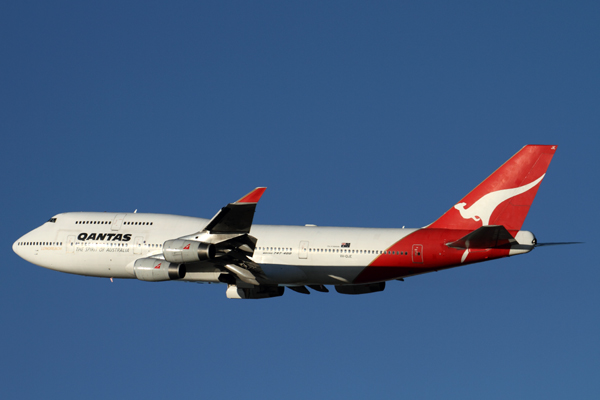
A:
(225, 240)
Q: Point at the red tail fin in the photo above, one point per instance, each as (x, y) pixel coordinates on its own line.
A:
(505, 196)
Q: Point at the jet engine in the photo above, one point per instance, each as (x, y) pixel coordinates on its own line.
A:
(257, 292)
(153, 270)
(182, 251)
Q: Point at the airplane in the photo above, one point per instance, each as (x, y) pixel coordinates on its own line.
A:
(260, 261)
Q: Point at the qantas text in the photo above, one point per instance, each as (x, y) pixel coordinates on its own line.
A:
(105, 236)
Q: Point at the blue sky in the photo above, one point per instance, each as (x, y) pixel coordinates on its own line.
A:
(378, 114)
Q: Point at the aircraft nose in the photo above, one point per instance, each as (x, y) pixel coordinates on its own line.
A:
(18, 246)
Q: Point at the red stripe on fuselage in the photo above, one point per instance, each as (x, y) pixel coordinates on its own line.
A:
(400, 260)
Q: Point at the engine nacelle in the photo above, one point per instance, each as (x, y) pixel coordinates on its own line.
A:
(153, 270)
(185, 251)
(257, 292)
(360, 289)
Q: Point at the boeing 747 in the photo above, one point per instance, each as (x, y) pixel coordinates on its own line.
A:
(260, 261)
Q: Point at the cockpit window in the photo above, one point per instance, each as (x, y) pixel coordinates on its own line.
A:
(52, 220)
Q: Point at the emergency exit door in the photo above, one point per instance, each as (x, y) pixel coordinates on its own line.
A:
(303, 250)
(417, 253)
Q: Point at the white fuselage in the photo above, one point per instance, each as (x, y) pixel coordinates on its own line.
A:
(108, 244)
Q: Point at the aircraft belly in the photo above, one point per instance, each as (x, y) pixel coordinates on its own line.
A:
(311, 274)
(328, 275)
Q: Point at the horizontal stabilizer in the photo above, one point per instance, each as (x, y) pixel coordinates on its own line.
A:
(556, 244)
(486, 237)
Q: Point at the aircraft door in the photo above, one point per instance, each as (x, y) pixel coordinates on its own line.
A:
(71, 244)
(303, 250)
(117, 222)
(417, 253)
(137, 246)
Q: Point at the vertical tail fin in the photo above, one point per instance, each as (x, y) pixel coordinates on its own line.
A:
(505, 196)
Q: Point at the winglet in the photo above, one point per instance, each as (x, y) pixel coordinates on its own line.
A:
(236, 217)
(252, 197)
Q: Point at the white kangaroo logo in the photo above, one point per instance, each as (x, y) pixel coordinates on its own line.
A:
(483, 208)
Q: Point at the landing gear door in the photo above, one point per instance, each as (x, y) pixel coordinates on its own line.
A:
(117, 222)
